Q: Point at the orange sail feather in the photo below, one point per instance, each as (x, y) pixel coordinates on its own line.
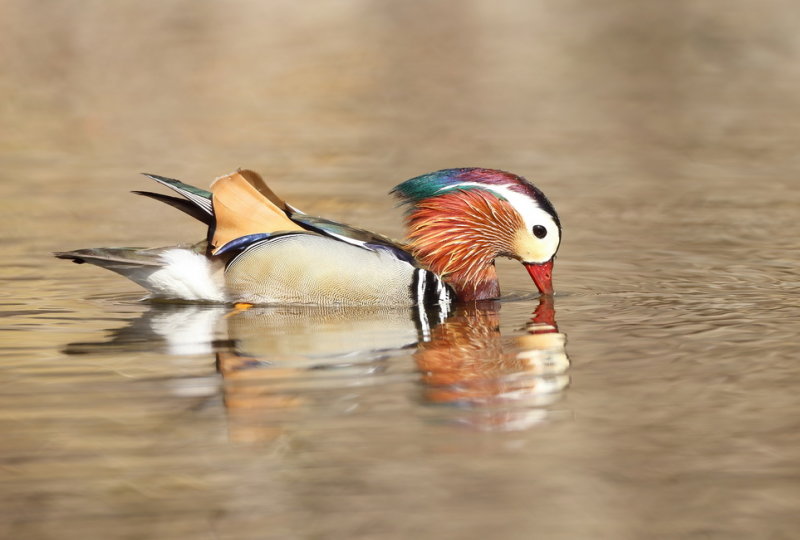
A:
(243, 205)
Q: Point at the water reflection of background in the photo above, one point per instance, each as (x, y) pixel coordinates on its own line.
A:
(664, 133)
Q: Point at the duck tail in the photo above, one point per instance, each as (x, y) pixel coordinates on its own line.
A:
(179, 272)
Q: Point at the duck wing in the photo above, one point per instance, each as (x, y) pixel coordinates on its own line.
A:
(238, 204)
(351, 235)
(241, 204)
(247, 210)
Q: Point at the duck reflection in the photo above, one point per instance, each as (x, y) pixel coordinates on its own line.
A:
(494, 381)
(285, 364)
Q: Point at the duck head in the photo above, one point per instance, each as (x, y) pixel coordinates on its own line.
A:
(460, 220)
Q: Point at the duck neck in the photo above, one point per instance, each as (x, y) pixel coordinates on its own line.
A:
(472, 287)
(458, 235)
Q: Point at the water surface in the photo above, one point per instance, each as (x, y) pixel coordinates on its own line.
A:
(653, 398)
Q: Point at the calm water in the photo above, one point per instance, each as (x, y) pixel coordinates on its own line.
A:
(656, 397)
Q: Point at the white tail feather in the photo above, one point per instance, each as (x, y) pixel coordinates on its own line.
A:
(188, 276)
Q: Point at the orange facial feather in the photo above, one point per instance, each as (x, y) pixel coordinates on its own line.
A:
(458, 235)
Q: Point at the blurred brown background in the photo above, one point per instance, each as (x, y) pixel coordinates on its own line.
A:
(608, 106)
(333, 88)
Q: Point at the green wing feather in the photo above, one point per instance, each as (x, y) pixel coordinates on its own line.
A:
(351, 235)
(200, 197)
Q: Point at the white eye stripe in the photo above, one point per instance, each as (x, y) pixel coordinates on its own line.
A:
(532, 214)
(529, 248)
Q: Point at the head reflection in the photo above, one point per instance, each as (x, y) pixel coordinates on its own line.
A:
(497, 381)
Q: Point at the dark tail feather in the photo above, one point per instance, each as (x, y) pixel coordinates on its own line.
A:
(181, 204)
(199, 197)
(135, 264)
(115, 257)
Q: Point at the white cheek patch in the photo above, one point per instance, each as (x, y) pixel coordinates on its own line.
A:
(529, 248)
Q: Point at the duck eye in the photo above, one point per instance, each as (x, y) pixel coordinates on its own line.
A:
(539, 231)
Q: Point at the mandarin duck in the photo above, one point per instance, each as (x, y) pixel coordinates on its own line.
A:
(261, 250)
